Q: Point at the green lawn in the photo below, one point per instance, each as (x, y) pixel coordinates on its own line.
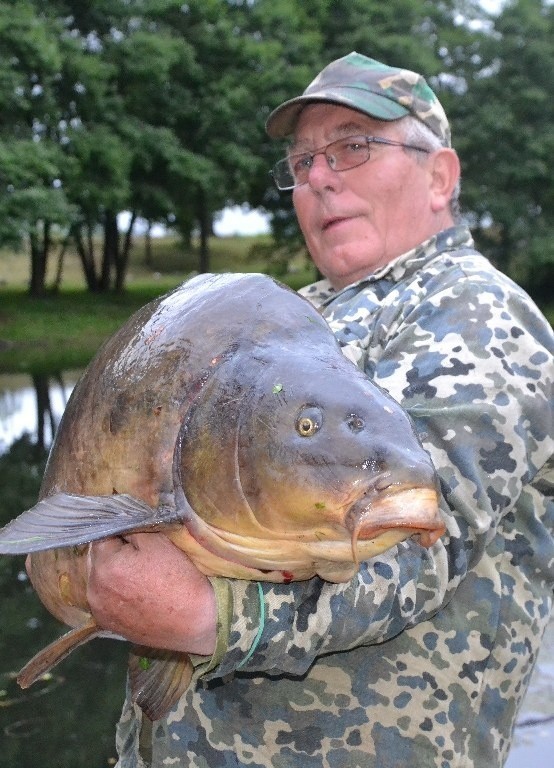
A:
(62, 331)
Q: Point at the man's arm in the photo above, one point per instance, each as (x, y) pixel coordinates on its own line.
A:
(147, 590)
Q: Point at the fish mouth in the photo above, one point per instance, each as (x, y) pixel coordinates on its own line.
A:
(393, 513)
(375, 522)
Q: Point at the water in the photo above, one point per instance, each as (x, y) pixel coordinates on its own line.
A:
(33, 406)
(69, 717)
(66, 720)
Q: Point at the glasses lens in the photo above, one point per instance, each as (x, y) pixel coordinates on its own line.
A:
(347, 153)
(341, 155)
(282, 175)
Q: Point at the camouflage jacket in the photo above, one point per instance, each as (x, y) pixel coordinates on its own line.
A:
(422, 659)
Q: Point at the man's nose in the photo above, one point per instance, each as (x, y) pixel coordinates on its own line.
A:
(321, 172)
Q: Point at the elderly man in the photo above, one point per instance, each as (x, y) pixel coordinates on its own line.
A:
(423, 658)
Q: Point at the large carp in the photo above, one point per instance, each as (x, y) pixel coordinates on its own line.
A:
(225, 416)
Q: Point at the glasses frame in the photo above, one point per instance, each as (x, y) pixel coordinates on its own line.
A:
(274, 173)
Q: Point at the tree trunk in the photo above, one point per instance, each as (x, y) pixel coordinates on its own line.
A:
(39, 257)
(205, 223)
(44, 409)
(123, 255)
(59, 267)
(110, 254)
(148, 246)
(86, 254)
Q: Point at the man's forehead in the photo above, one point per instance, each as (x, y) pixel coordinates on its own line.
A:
(330, 122)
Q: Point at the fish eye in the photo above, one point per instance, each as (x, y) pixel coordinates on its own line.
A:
(308, 421)
(355, 422)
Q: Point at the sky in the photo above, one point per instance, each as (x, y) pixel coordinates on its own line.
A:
(235, 220)
(241, 220)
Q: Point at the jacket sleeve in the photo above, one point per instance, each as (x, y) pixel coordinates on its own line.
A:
(471, 360)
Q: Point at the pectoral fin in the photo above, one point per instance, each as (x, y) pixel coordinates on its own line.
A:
(158, 679)
(65, 520)
(57, 651)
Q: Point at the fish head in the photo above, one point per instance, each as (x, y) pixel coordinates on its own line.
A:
(310, 450)
(338, 454)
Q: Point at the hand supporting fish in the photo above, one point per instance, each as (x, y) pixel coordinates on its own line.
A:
(225, 415)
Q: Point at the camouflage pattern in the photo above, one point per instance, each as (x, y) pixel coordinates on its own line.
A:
(368, 86)
(423, 659)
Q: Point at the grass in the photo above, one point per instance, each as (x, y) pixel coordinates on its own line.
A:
(62, 331)
(55, 333)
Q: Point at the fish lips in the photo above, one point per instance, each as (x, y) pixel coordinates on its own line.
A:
(394, 510)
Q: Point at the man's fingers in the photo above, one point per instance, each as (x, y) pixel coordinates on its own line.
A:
(103, 551)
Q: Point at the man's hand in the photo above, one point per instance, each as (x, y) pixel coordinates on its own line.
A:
(147, 590)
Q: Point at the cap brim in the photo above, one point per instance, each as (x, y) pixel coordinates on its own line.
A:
(282, 121)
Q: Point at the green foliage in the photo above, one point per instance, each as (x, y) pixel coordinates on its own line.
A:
(505, 132)
(29, 65)
(29, 174)
(159, 108)
(21, 469)
(97, 170)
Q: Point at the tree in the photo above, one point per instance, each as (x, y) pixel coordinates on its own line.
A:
(32, 201)
(97, 181)
(159, 107)
(505, 127)
(228, 66)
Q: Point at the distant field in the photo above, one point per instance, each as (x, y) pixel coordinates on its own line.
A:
(62, 331)
(169, 262)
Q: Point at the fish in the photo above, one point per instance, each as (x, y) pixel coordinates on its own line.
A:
(224, 416)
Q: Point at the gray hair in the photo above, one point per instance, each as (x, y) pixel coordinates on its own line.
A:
(416, 132)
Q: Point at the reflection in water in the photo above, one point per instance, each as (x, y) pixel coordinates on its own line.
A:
(50, 724)
(23, 729)
(11, 693)
(534, 734)
(530, 722)
(33, 405)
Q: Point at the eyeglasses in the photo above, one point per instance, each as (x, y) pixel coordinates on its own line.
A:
(341, 155)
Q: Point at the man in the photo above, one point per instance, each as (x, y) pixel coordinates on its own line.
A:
(424, 658)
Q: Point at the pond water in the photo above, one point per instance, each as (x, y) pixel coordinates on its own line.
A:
(69, 717)
(29, 404)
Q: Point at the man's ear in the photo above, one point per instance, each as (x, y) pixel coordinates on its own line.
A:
(445, 173)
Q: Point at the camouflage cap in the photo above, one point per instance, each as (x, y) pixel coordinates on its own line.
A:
(368, 86)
